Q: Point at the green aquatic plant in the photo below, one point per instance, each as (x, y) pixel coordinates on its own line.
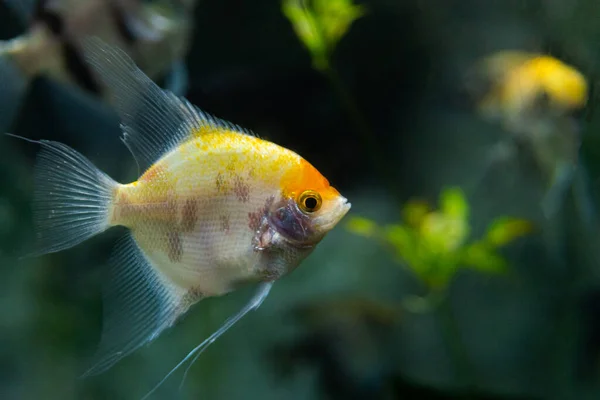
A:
(434, 243)
(320, 24)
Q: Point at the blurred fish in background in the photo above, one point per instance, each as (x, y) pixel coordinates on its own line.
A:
(536, 98)
(155, 34)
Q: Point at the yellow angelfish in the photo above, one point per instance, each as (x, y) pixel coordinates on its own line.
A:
(535, 98)
(216, 208)
(518, 81)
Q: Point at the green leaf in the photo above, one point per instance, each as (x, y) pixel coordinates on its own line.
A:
(482, 257)
(320, 24)
(444, 234)
(506, 229)
(399, 236)
(414, 212)
(404, 242)
(336, 17)
(307, 29)
(433, 243)
(361, 226)
(454, 204)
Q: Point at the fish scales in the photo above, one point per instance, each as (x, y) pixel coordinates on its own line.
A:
(192, 212)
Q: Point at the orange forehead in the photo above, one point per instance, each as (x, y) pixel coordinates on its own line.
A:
(303, 177)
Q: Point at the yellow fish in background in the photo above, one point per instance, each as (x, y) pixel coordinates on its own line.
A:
(535, 98)
(216, 208)
(521, 88)
(156, 34)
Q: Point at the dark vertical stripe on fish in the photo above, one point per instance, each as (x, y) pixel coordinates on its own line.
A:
(74, 62)
(40, 7)
(52, 20)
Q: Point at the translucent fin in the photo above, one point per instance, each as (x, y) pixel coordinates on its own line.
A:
(253, 304)
(71, 198)
(154, 121)
(139, 304)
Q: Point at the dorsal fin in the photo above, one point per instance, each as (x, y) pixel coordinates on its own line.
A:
(154, 121)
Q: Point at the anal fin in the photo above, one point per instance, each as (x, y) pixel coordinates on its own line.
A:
(139, 304)
(254, 303)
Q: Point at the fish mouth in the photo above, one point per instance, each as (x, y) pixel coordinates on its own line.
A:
(336, 215)
(345, 207)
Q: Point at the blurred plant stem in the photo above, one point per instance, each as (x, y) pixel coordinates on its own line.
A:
(562, 340)
(320, 25)
(438, 304)
(565, 342)
(566, 333)
(456, 346)
(361, 125)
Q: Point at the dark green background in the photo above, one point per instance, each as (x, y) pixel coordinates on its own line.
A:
(533, 337)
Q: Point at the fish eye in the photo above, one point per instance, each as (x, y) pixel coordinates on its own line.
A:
(309, 201)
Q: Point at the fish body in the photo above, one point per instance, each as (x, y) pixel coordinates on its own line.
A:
(199, 210)
(215, 208)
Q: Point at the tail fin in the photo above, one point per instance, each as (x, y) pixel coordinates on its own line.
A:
(72, 198)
